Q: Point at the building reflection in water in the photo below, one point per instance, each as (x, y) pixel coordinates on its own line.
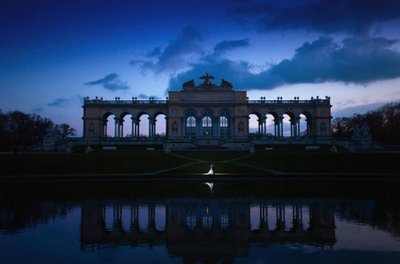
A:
(207, 230)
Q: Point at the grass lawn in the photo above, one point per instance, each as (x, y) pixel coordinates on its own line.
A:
(159, 162)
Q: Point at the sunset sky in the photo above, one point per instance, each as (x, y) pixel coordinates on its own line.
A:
(54, 53)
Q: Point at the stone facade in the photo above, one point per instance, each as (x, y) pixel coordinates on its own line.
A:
(207, 114)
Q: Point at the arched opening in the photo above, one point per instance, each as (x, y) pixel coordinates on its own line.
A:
(206, 124)
(286, 125)
(271, 129)
(302, 125)
(254, 128)
(306, 124)
(109, 125)
(161, 125)
(143, 125)
(126, 125)
(190, 125)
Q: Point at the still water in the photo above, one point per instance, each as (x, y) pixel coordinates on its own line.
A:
(190, 222)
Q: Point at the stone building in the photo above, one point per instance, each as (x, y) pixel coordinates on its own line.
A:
(209, 115)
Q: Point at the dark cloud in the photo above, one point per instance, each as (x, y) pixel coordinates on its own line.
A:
(358, 60)
(110, 82)
(355, 60)
(143, 96)
(174, 56)
(227, 45)
(108, 78)
(236, 72)
(59, 102)
(327, 16)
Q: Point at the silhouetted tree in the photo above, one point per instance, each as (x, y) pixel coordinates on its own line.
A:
(41, 126)
(342, 127)
(65, 130)
(383, 123)
(18, 129)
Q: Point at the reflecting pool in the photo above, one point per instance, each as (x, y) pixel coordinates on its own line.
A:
(194, 222)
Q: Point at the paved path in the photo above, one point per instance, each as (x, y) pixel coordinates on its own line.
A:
(232, 161)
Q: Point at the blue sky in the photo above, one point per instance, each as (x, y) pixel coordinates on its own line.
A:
(54, 53)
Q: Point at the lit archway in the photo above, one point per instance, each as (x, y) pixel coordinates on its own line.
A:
(143, 125)
(127, 125)
(109, 125)
(254, 127)
(306, 126)
(271, 125)
(286, 125)
(161, 125)
(302, 125)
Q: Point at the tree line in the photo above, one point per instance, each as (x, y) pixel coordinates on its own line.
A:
(21, 130)
(383, 123)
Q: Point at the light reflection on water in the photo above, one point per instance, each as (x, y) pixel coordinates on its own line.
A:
(203, 227)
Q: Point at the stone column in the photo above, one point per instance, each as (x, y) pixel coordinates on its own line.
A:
(183, 127)
(151, 129)
(215, 129)
(291, 130)
(167, 125)
(199, 127)
(116, 128)
(121, 127)
(309, 127)
(263, 125)
(294, 123)
(138, 127)
(133, 129)
(231, 127)
(279, 127)
(298, 127)
(105, 128)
